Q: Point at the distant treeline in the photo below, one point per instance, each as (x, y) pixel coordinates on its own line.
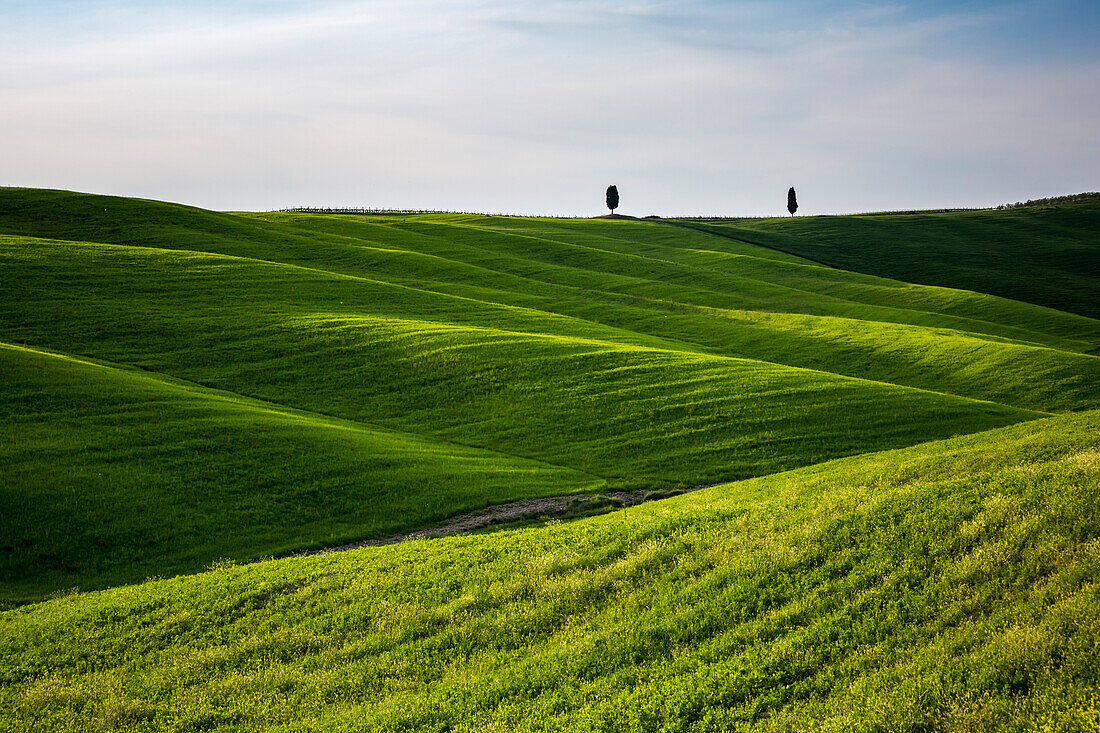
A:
(1088, 196)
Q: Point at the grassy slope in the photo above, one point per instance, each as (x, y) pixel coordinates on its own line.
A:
(948, 586)
(641, 280)
(1049, 255)
(603, 348)
(610, 412)
(114, 475)
(511, 379)
(740, 300)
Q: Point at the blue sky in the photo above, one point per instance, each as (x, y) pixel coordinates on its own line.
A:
(535, 107)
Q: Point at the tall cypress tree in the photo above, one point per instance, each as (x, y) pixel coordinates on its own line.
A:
(612, 198)
(792, 202)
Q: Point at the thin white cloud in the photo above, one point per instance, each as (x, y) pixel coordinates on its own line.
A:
(485, 104)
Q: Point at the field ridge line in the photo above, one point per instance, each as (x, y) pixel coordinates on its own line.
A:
(274, 408)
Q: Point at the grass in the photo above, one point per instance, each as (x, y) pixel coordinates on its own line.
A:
(625, 416)
(903, 536)
(449, 353)
(948, 586)
(1044, 254)
(115, 475)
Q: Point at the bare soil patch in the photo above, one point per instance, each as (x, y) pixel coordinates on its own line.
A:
(549, 507)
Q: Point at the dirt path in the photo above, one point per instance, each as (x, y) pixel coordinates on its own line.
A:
(526, 509)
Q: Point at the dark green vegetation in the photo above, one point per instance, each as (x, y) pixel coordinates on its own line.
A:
(114, 475)
(949, 586)
(183, 387)
(1048, 254)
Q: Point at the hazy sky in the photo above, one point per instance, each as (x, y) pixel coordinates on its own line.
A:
(706, 107)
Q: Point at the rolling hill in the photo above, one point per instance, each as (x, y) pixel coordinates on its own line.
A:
(621, 354)
(895, 527)
(949, 586)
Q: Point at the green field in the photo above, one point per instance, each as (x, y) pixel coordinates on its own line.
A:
(898, 531)
(944, 587)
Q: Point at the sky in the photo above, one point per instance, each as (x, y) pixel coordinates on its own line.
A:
(699, 107)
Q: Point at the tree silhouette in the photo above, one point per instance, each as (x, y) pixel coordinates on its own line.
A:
(612, 198)
(792, 202)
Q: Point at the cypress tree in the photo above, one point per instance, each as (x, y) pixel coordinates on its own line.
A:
(792, 202)
(612, 198)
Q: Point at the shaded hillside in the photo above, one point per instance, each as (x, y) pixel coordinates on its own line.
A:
(114, 475)
(1048, 255)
